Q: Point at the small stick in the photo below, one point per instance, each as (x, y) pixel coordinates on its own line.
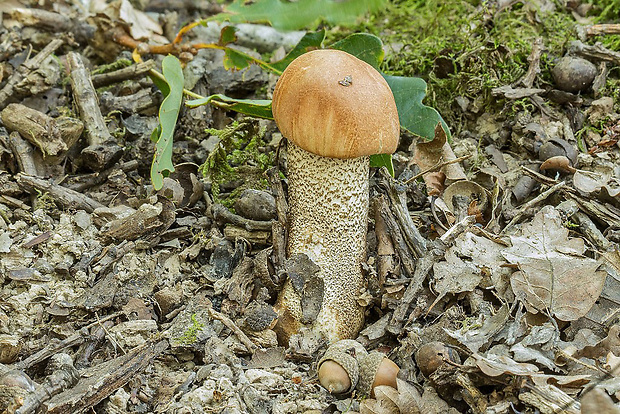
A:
(65, 197)
(438, 167)
(603, 29)
(131, 72)
(102, 150)
(233, 327)
(542, 196)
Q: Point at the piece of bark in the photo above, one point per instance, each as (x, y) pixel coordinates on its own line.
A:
(9, 93)
(130, 72)
(398, 198)
(385, 249)
(278, 229)
(223, 215)
(23, 153)
(85, 181)
(52, 136)
(407, 260)
(102, 380)
(534, 61)
(65, 197)
(143, 101)
(603, 29)
(596, 52)
(102, 150)
(53, 22)
(147, 222)
(64, 376)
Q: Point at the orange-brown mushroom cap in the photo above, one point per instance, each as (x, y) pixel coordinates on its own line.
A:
(332, 104)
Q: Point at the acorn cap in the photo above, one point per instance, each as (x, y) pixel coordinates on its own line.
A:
(332, 104)
(347, 353)
(368, 369)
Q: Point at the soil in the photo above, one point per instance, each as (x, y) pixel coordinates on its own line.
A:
(493, 267)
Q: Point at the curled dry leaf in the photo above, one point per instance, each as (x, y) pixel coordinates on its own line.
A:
(558, 163)
(553, 274)
(433, 153)
(381, 405)
(495, 365)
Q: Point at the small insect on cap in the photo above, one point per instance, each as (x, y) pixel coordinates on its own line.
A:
(333, 104)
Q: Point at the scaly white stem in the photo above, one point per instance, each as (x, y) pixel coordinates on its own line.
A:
(328, 214)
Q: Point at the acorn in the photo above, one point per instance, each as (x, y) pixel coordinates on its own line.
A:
(376, 369)
(338, 370)
(430, 356)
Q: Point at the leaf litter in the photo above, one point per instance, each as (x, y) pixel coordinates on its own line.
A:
(154, 292)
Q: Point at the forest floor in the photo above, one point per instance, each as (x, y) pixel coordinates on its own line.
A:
(493, 271)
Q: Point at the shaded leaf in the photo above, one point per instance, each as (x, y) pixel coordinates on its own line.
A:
(287, 15)
(168, 114)
(363, 46)
(260, 108)
(496, 365)
(454, 276)
(553, 273)
(234, 59)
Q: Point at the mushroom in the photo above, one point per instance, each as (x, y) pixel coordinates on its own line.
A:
(336, 111)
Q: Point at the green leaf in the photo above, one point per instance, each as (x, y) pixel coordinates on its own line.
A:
(364, 46)
(227, 35)
(168, 114)
(234, 59)
(294, 15)
(414, 116)
(260, 108)
(382, 160)
(310, 41)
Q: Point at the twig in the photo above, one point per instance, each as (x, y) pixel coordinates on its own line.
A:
(233, 327)
(543, 196)
(222, 214)
(65, 197)
(438, 167)
(102, 150)
(131, 72)
(603, 29)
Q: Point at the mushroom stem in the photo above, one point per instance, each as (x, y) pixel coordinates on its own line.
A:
(328, 212)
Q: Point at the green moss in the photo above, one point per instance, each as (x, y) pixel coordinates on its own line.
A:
(191, 334)
(237, 157)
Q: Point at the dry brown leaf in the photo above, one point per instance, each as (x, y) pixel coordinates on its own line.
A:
(597, 401)
(496, 365)
(553, 273)
(430, 154)
(409, 399)
(381, 405)
(454, 276)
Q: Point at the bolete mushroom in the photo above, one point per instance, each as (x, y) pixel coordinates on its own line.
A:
(336, 110)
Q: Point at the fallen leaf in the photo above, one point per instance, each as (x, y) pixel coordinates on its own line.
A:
(454, 276)
(553, 273)
(495, 365)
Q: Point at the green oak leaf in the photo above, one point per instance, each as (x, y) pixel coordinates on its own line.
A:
(295, 15)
